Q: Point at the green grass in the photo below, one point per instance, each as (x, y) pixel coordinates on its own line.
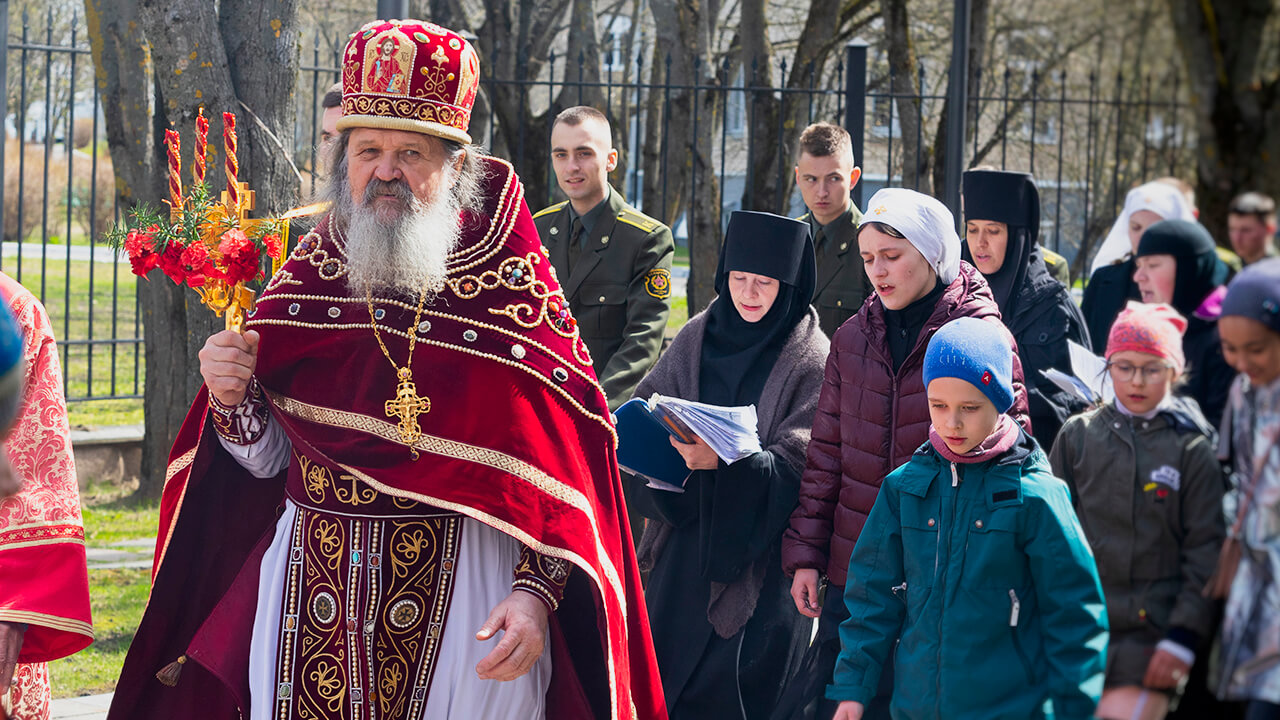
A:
(69, 314)
(118, 596)
(120, 520)
(679, 315)
(104, 413)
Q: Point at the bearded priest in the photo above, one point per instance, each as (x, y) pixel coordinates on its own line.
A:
(396, 496)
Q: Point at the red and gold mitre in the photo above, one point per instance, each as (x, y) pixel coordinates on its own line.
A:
(409, 75)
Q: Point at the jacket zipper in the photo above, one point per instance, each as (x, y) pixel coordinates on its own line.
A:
(900, 591)
(940, 582)
(893, 423)
(1015, 609)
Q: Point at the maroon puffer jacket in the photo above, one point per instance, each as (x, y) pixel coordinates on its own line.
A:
(869, 421)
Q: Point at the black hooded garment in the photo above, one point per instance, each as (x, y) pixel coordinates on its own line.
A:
(726, 634)
(1036, 308)
(1200, 272)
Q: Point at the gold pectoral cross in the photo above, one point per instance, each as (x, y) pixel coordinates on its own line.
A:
(407, 406)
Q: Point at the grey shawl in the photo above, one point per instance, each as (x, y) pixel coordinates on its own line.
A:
(785, 412)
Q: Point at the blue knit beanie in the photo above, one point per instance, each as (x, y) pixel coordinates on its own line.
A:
(12, 368)
(977, 352)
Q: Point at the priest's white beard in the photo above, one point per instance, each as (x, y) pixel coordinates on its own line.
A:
(404, 251)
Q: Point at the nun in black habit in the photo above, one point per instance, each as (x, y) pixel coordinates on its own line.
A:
(724, 626)
(1177, 263)
(1002, 226)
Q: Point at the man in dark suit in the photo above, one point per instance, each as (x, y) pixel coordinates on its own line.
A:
(825, 174)
(613, 262)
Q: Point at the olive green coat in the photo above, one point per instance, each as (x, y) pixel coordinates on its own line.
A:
(618, 291)
(1149, 496)
(1057, 265)
(842, 284)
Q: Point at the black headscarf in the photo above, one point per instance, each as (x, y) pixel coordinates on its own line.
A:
(737, 356)
(1010, 198)
(1199, 270)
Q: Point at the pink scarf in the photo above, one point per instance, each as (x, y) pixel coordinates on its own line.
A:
(996, 444)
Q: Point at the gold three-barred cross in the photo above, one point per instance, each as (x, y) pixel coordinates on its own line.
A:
(407, 406)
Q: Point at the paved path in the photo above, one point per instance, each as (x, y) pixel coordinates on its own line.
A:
(34, 250)
(89, 707)
(123, 554)
(679, 280)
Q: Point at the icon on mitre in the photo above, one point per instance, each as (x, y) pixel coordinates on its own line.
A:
(386, 60)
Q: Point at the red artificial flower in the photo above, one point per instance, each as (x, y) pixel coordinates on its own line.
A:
(275, 248)
(171, 261)
(140, 245)
(239, 257)
(197, 266)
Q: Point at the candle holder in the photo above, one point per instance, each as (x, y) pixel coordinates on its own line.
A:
(213, 247)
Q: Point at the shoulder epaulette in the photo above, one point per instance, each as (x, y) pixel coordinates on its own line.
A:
(1052, 257)
(548, 210)
(803, 218)
(644, 222)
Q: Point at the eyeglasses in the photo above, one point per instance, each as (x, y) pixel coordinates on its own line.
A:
(1124, 372)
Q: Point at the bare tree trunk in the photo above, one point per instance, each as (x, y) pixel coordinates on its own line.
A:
(979, 10)
(516, 38)
(187, 57)
(690, 179)
(904, 67)
(770, 181)
(761, 190)
(1236, 99)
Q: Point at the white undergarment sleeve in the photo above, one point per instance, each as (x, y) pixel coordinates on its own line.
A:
(486, 561)
(266, 619)
(266, 457)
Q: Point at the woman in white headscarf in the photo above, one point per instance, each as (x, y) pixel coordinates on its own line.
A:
(873, 412)
(1111, 283)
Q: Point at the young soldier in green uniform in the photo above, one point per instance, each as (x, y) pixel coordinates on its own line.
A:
(613, 262)
(825, 173)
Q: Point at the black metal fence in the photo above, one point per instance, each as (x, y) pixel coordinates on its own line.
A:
(59, 196)
(1087, 137)
(1085, 134)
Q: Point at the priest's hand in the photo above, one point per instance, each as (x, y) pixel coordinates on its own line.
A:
(10, 644)
(804, 591)
(849, 710)
(697, 455)
(227, 362)
(523, 620)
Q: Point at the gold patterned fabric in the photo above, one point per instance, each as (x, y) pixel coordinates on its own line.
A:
(29, 697)
(366, 595)
(44, 582)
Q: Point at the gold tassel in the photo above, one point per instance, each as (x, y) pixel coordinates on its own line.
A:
(170, 673)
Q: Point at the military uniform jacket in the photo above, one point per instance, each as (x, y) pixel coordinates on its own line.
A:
(1057, 266)
(618, 291)
(842, 283)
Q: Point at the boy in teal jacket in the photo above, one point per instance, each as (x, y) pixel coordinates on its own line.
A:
(973, 562)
